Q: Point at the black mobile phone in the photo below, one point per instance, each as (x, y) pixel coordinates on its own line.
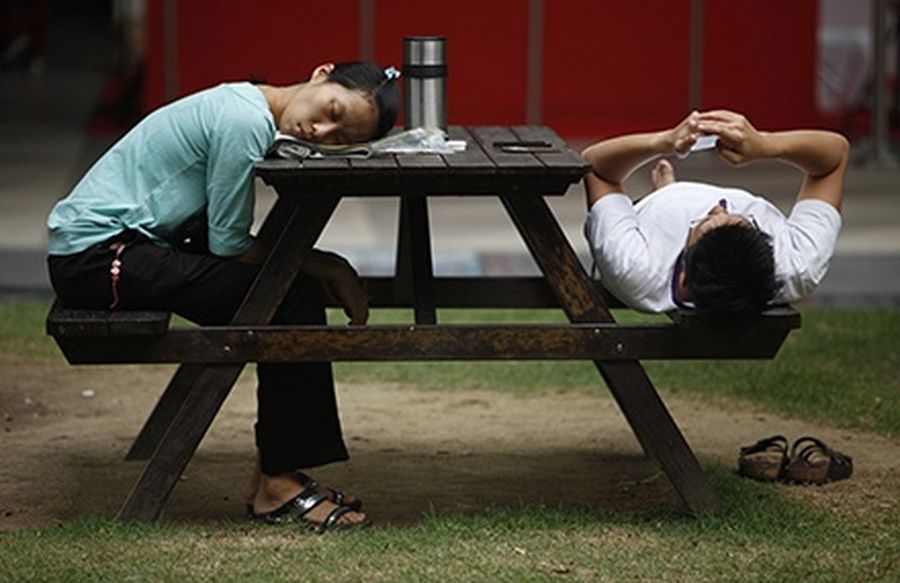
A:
(525, 146)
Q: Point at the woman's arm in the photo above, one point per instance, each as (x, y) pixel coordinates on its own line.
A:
(335, 273)
(613, 160)
(821, 155)
(340, 281)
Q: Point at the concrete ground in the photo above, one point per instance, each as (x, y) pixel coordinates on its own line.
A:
(46, 144)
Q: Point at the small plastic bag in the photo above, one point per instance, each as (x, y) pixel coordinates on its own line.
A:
(415, 141)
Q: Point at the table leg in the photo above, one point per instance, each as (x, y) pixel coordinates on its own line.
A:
(165, 411)
(203, 401)
(205, 396)
(627, 380)
(414, 277)
(177, 390)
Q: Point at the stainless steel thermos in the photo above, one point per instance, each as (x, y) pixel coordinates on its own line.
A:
(425, 81)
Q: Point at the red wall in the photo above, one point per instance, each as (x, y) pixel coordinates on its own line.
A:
(612, 67)
(233, 40)
(608, 66)
(487, 44)
(760, 58)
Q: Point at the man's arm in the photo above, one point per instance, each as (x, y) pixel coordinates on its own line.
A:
(613, 160)
(821, 155)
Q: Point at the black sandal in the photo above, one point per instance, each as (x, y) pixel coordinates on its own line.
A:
(296, 509)
(336, 495)
(308, 482)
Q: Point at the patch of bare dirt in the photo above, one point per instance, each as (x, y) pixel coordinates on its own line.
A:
(65, 431)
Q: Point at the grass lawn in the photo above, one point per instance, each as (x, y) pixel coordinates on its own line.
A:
(840, 368)
(764, 537)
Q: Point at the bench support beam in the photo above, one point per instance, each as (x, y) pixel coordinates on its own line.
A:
(627, 381)
(585, 341)
(205, 397)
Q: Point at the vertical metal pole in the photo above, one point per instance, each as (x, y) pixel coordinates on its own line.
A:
(535, 73)
(367, 30)
(695, 56)
(170, 49)
(881, 155)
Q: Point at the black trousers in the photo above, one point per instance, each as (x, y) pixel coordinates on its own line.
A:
(297, 421)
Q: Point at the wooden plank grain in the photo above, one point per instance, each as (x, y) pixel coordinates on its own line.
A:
(487, 136)
(473, 157)
(433, 161)
(603, 342)
(382, 162)
(326, 163)
(565, 157)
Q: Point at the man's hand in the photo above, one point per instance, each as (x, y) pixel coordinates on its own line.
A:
(340, 281)
(614, 159)
(821, 155)
(739, 142)
(682, 137)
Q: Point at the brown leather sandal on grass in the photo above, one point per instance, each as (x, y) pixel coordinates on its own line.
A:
(764, 460)
(816, 463)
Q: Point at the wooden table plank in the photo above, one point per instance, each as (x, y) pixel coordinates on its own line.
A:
(381, 162)
(341, 164)
(473, 157)
(566, 156)
(430, 161)
(481, 170)
(487, 136)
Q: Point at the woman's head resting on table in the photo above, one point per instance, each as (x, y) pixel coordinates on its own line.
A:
(339, 104)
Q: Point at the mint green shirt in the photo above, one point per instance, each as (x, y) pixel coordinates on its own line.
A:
(196, 152)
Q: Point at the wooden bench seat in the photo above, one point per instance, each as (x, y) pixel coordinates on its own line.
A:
(132, 337)
(65, 322)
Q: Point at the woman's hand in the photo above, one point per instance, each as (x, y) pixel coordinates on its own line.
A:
(341, 282)
(739, 142)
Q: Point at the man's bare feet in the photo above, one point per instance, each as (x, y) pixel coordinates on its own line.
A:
(663, 174)
(275, 491)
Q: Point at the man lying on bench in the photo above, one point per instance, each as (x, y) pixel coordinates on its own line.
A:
(721, 251)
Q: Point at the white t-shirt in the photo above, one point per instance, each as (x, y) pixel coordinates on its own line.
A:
(635, 246)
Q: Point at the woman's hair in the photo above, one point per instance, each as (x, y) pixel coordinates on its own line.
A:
(730, 274)
(372, 81)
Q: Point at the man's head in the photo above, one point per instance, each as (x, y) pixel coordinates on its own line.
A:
(729, 268)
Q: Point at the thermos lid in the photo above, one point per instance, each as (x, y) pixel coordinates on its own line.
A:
(430, 51)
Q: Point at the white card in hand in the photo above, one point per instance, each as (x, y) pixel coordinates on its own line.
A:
(705, 142)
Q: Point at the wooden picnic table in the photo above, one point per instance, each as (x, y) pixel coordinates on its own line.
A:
(212, 357)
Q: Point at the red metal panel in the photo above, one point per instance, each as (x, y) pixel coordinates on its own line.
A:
(612, 67)
(487, 44)
(154, 81)
(279, 40)
(608, 66)
(760, 59)
(232, 40)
